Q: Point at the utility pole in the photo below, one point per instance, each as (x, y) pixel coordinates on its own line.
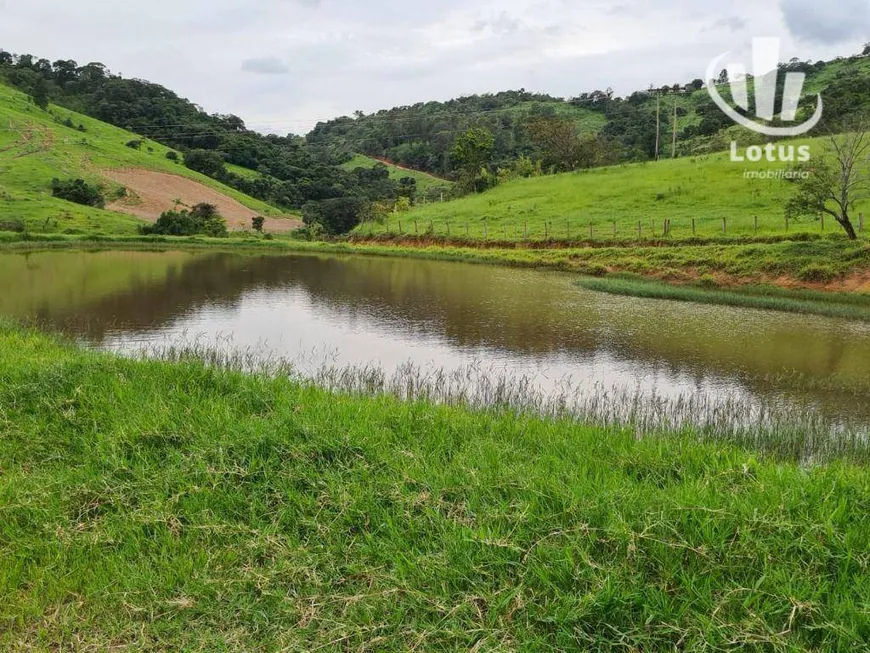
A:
(658, 123)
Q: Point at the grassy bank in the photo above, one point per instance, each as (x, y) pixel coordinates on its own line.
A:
(168, 506)
(825, 276)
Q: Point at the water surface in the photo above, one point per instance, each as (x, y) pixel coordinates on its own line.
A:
(384, 311)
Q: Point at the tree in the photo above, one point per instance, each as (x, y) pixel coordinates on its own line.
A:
(336, 216)
(257, 223)
(558, 142)
(836, 181)
(472, 154)
(40, 93)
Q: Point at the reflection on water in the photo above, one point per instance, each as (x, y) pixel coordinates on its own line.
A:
(357, 310)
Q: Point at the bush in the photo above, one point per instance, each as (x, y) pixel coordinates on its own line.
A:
(135, 145)
(207, 162)
(258, 222)
(172, 156)
(816, 272)
(202, 220)
(78, 191)
(15, 224)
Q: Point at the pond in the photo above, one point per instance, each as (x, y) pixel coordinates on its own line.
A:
(387, 312)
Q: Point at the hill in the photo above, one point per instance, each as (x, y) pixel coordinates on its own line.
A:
(38, 145)
(283, 171)
(706, 189)
(421, 136)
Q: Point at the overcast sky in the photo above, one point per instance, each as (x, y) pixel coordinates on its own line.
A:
(282, 65)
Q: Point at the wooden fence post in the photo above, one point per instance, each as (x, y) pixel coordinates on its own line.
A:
(448, 228)
(466, 229)
(546, 229)
(567, 229)
(724, 226)
(614, 228)
(526, 229)
(485, 230)
(638, 230)
(416, 229)
(822, 218)
(694, 232)
(756, 225)
(786, 224)
(591, 232)
(861, 222)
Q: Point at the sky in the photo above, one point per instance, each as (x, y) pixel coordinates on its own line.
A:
(284, 65)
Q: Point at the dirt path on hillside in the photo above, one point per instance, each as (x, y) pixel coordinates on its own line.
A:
(150, 193)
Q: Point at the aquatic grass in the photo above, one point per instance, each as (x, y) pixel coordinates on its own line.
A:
(855, 307)
(776, 423)
(151, 505)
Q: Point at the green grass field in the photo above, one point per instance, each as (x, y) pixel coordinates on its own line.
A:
(425, 182)
(634, 201)
(36, 146)
(172, 506)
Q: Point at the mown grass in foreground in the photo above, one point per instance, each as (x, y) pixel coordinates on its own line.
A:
(852, 306)
(174, 506)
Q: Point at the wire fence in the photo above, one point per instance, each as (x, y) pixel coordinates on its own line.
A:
(607, 230)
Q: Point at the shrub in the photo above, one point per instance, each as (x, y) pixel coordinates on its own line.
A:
(202, 220)
(15, 224)
(172, 156)
(135, 144)
(257, 223)
(816, 272)
(78, 191)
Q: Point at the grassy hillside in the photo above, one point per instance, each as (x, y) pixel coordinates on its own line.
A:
(425, 182)
(160, 506)
(36, 146)
(705, 188)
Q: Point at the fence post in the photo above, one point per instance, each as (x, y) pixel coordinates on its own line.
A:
(432, 226)
(638, 230)
(504, 230)
(614, 228)
(448, 228)
(568, 229)
(400, 227)
(786, 224)
(756, 225)
(526, 229)
(861, 222)
(591, 232)
(416, 229)
(485, 230)
(546, 229)
(665, 227)
(724, 226)
(694, 232)
(822, 218)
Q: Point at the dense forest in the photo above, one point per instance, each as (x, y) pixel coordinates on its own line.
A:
(478, 141)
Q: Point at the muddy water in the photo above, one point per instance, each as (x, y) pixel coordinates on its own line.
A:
(360, 310)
